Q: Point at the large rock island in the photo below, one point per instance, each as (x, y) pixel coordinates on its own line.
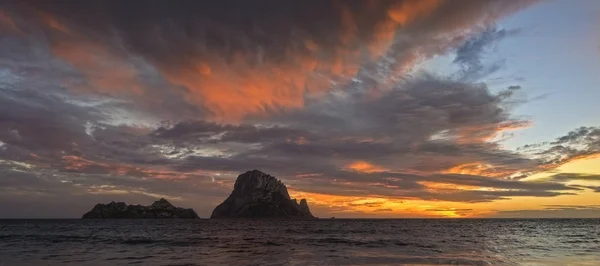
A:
(160, 209)
(259, 195)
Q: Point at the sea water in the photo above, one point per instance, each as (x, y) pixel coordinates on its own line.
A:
(319, 242)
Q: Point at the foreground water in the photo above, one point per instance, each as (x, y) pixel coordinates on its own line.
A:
(322, 242)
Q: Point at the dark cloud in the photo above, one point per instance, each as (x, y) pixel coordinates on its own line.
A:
(228, 59)
(577, 178)
(581, 143)
(424, 117)
(565, 177)
(582, 135)
(470, 55)
(210, 132)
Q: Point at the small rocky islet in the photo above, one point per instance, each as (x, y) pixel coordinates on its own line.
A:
(255, 195)
(160, 209)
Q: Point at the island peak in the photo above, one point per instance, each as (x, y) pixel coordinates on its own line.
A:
(260, 195)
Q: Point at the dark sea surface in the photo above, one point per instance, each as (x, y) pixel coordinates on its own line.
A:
(321, 242)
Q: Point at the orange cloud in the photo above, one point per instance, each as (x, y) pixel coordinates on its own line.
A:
(76, 163)
(488, 132)
(438, 187)
(235, 88)
(232, 90)
(407, 11)
(479, 168)
(300, 140)
(7, 23)
(105, 72)
(399, 15)
(53, 22)
(365, 167)
(476, 168)
(349, 27)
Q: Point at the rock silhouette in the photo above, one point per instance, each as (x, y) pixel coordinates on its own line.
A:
(160, 209)
(259, 195)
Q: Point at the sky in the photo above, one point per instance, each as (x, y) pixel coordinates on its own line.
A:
(368, 109)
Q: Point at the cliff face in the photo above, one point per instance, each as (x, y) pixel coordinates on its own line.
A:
(160, 209)
(259, 195)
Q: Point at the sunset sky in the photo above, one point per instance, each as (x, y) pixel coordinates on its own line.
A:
(428, 108)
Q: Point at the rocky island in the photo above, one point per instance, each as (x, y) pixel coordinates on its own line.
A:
(259, 195)
(160, 209)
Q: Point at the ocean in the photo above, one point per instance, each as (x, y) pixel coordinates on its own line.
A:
(320, 242)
